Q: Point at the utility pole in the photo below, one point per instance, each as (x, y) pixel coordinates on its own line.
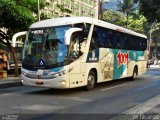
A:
(150, 37)
(38, 10)
(101, 8)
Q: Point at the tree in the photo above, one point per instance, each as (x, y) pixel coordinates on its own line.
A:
(16, 15)
(136, 22)
(57, 10)
(113, 17)
(150, 9)
(128, 7)
(63, 9)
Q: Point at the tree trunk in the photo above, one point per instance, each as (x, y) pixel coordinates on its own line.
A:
(15, 60)
(4, 36)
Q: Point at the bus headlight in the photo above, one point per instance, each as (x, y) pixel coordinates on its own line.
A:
(63, 72)
(24, 73)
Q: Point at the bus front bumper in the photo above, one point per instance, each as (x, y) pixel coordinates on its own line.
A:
(59, 82)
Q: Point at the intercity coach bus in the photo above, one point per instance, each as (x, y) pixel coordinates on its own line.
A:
(80, 51)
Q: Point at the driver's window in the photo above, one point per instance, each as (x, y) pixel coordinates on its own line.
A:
(77, 46)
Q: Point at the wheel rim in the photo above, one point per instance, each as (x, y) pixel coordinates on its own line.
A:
(134, 74)
(91, 80)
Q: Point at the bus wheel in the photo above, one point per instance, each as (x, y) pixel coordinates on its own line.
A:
(91, 81)
(135, 73)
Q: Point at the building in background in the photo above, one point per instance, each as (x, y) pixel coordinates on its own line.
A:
(87, 8)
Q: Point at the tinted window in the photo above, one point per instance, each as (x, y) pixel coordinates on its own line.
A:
(106, 38)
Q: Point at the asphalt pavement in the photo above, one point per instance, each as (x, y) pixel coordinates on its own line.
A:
(10, 81)
(148, 110)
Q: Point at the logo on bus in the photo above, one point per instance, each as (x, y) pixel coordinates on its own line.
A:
(41, 62)
(122, 59)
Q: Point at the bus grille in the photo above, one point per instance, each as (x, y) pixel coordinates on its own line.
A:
(33, 76)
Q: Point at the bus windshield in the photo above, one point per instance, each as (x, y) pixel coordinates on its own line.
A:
(45, 48)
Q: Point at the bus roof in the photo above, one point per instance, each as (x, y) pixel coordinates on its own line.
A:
(74, 20)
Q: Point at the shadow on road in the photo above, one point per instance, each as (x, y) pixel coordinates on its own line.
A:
(80, 90)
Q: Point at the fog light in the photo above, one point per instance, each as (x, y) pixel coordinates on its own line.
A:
(63, 83)
(22, 81)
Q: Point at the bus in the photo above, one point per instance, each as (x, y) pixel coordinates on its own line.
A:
(73, 52)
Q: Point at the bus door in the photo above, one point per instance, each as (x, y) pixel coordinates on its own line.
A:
(77, 49)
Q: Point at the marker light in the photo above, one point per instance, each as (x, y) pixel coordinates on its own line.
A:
(63, 82)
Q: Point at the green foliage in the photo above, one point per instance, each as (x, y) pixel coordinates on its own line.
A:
(113, 17)
(135, 22)
(63, 9)
(127, 6)
(31, 4)
(57, 10)
(17, 15)
(150, 9)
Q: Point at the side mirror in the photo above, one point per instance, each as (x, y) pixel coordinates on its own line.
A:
(15, 36)
(68, 34)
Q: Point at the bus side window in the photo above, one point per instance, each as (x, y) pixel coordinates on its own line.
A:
(128, 42)
(144, 44)
(74, 46)
(131, 43)
(141, 44)
(121, 39)
(102, 38)
(136, 43)
(117, 39)
(94, 41)
(108, 40)
(111, 39)
(125, 42)
(77, 46)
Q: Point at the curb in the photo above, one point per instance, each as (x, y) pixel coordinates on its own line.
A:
(10, 83)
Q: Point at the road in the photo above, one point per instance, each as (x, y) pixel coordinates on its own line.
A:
(111, 98)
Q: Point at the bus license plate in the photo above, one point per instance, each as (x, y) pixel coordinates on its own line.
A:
(39, 82)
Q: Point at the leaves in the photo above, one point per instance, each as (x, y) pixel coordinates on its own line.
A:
(113, 17)
(135, 22)
(127, 6)
(17, 15)
(63, 9)
(150, 9)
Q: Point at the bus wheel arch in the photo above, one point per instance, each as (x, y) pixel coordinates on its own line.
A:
(91, 79)
(135, 72)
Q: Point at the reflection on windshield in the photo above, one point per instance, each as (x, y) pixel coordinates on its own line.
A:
(45, 47)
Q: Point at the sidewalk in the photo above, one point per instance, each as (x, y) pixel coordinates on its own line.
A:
(10, 81)
(154, 67)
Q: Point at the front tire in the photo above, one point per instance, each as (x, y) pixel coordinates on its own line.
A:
(91, 80)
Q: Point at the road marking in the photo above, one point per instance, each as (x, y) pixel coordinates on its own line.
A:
(145, 75)
(156, 77)
(77, 99)
(140, 109)
(112, 87)
(144, 107)
(40, 107)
